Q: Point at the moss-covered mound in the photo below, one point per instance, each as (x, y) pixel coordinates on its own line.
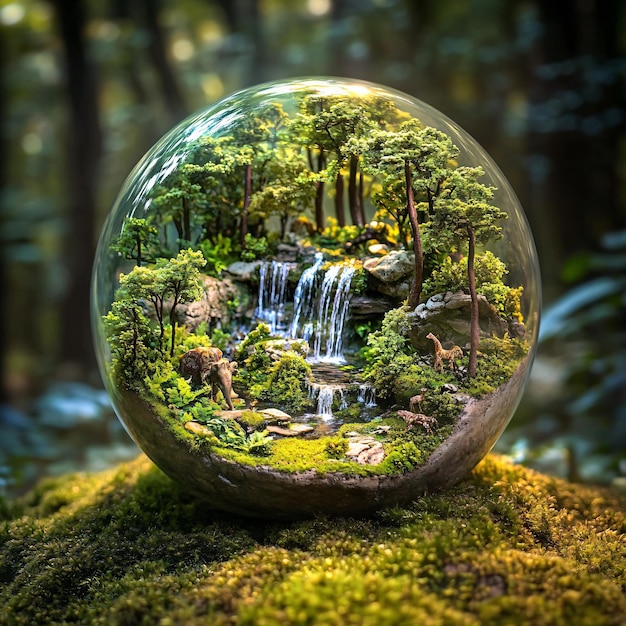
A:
(506, 546)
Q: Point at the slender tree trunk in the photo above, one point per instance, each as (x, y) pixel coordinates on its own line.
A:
(319, 195)
(339, 209)
(353, 192)
(186, 221)
(474, 316)
(246, 204)
(158, 311)
(173, 325)
(84, 151)
(416, 285)
(361, 206)
(139, 251)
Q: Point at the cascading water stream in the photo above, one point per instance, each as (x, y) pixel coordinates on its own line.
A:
(332, 314)
(325, 396)
(272, 295)
(304, 301)
(367, 395)
(320, 312)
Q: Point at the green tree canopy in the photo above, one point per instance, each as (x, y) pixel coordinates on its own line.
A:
(138, 238)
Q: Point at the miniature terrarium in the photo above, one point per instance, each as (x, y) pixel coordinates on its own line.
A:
(316, 296)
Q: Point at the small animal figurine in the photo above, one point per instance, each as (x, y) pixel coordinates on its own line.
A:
(442, 355)
(427, 422)
(416, 401)
(207, 365)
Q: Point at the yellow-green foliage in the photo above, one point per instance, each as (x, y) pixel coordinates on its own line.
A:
(506, 547)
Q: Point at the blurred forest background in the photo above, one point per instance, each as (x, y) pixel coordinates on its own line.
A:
(88, 86)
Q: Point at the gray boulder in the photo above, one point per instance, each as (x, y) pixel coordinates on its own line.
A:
(214, 308)
(448, 317)
(391, 268)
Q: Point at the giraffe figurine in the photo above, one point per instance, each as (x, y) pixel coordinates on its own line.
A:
(442, 355)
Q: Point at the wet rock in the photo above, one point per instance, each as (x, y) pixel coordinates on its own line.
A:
(214, 308)
(366, 306)
(286, 252)
(242, 271)
(293, 430)
(448, 388)
(517, 330)
(399, 290)
(275, 415)
(461, 398)
(381, 430)
(392, 267)
(365, 450)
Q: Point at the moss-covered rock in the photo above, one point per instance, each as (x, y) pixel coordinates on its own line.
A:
(128, 546)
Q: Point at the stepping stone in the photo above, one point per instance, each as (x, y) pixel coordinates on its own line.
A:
(229, 414)
(275, 415)
(199, 429)
(292, 431)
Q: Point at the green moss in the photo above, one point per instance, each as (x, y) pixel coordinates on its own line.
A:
(299, 455)
(127, 546)
(252, 420)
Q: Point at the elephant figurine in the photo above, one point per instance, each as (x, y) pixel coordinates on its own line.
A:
(207, 365)
(221, 377)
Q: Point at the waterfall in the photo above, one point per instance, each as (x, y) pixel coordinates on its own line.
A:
(303, 300)
(367, 395)
(272, 294)
(332, 311)
(325, 396)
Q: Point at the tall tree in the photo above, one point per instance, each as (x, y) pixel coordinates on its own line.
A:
(145, 283)
(212, 168)
(176, 200)
(257, 136)
(137, 239)
(332, 127)
(180, 278)
(464, 212)
(419, 158)
(289, 190)
(129, 335)
(175, 280)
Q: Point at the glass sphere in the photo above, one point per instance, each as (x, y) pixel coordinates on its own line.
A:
(315, 296)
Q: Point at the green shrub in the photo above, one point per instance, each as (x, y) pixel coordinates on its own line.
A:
(336, 447)
(219, 254)
(286, 382)
(260, 333)
(405, 457)
(254, 248)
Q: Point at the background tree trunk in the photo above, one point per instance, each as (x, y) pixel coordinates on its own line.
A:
(83, 160)
(157, 49)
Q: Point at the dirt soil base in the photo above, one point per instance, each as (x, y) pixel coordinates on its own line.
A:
(260, 491)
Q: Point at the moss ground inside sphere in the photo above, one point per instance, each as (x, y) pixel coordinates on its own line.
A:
(128, 546)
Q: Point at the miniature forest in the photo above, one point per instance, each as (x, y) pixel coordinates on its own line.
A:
(315, 289)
